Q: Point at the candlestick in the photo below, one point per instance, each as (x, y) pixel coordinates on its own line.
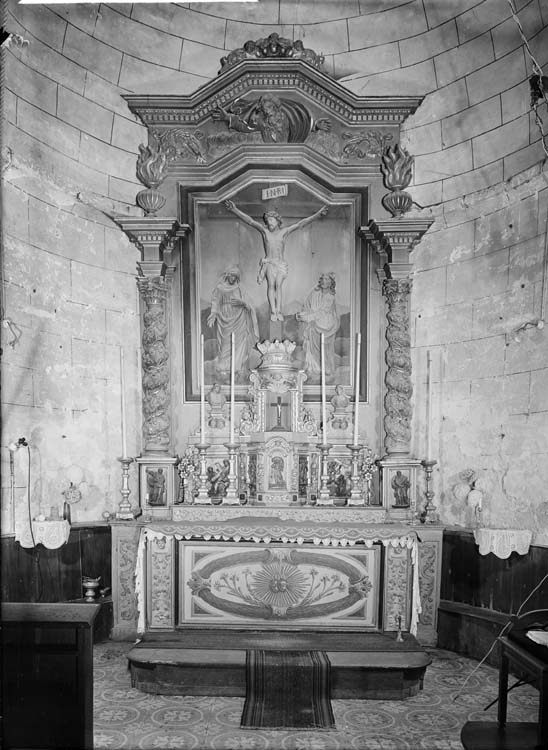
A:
(428, 406)
(231, 388)
(202, 391)
(123, 405)
(324, 410)
(357, 386)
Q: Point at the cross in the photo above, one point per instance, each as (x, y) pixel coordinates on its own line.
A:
(279, 405)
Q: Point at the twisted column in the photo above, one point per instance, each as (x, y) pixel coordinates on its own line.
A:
(397, 401)
(154, 291)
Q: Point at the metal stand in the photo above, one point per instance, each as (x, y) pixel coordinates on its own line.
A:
(430, 512)
(356, 494)
(231, 497)
(124, 512)
(202, 498)
(324, 498)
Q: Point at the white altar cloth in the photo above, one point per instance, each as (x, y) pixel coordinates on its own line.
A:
(265, 530)
(52, 534)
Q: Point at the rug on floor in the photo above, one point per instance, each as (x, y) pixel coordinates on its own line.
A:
(287, 690)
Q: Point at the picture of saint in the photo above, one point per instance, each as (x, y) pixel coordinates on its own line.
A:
(273, 267)
(232, 312)
(319, 315)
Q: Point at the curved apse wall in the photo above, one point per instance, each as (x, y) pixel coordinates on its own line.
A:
(70, 144)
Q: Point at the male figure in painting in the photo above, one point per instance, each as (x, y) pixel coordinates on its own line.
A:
(232, 312)
(273, 266)
(320, 315)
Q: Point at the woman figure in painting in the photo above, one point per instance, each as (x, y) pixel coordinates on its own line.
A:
(319, 315)
(232, 312)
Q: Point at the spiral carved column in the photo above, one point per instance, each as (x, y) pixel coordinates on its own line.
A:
(397, 401)
(154, 293)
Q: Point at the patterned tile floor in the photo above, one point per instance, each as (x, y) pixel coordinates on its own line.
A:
(432, 720)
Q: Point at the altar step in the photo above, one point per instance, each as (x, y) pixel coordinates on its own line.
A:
(212, 661)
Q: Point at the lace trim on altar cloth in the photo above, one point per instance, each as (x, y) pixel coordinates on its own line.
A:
(52, 534)
(266, 530)
(502, 542)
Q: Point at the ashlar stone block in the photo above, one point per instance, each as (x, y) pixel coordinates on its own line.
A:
(381, 58)
(85, 115)
(477, 277)
(498, 76)
(450, 161)
(137, 39)
(30, 85)
(200, 59)
(539, 390)
(464, 59)
(48, 129)
(142, 77)
(194, 25)
(461, 186)
(482, 358)
(103, 59)
(331, 36)
(429, 44)
(498, 143)
(473, 121)
(389, 25)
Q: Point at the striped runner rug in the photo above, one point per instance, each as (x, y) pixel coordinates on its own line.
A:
(287, 690)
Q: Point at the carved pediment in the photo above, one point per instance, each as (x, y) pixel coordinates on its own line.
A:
(272, 91)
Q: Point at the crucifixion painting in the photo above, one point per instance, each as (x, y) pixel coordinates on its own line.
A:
(273, 266)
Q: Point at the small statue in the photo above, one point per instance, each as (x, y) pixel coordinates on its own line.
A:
(339, 402)
(400, 485)
(216, 400)
(156, 487)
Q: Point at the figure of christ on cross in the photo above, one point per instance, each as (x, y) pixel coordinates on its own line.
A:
(279, 405)
(273, 266)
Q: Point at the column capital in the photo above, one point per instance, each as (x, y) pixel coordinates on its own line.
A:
(395, 238)
(155, 237)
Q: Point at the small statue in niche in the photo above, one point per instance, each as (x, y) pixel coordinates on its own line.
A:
(400, 484)
(273, 267)
(216, 400)
(339, 402)
(156, 487)
(277, 480)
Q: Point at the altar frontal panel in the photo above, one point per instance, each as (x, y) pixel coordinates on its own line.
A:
(279, 584)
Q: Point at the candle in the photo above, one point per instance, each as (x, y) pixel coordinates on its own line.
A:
(202, 391)
(324, 413)
(231, 388)
(123, 405)
(357, 386)
(428, 406)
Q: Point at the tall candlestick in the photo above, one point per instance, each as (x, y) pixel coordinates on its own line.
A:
(202, 391)
(231, 387)
(428, 406)
(123, 404)
(357, 386)
(324, 411)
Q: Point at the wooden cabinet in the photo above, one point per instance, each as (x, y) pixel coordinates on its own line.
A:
(48, 675)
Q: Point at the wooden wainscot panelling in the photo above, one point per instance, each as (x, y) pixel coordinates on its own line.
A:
(479, 593)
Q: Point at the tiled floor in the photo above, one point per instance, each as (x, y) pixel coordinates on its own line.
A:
(432, 720)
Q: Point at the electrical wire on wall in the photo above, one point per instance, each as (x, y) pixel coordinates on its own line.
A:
(539, 77)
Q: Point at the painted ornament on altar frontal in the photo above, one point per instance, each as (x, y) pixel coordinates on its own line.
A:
(266, 272)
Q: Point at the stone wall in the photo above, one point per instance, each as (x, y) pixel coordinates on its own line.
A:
(70, 144)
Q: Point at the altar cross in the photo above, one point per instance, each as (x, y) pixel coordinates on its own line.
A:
(279, 405)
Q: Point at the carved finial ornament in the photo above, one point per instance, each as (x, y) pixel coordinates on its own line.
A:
(273, 46)
(397, 168)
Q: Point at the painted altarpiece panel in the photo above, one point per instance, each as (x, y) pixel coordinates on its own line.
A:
(222, 244)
